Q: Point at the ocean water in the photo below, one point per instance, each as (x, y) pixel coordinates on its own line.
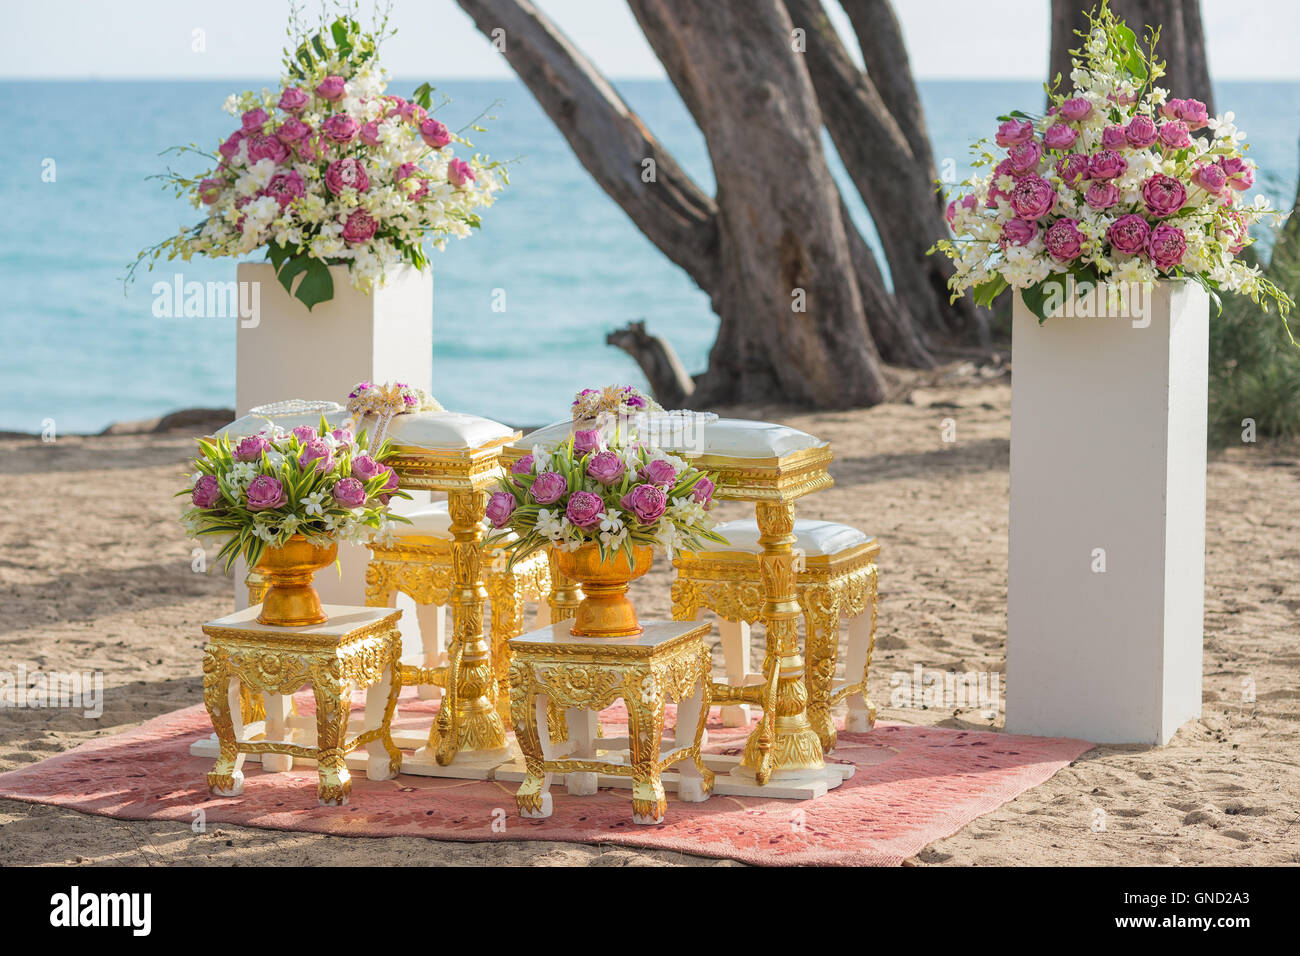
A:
(77, 347)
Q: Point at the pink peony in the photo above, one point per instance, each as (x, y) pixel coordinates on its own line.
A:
(1210, 177)
(292, 130)
(658, 472)
(349, 492)
(435, 134)
(1128, 234)
(293, 99)
(412, 112)
(261, 146)
(1075, 109)
(309, 147)
(1165, 246)
(207, 492)
(265, 492)
(1072, 169)
(1018, 232)
(585, 510)
(346, 174)
(370, 133)
(1102, 195)
(317, 450)
(606, 467)
(1063, 240)
(305, 433)
(332, 88)
(1112, 137)
(1174, 135)
(459, 173)
(549, 488)
(524, 466)
(1013, 132)
(1023, 157)
(341, 128)
(1194, 114)
(1239, 172)
(1060, 136)
(343, 436)
(703, 491)
(1163, 195)
(253, 120)
(1172, 108)
(586, 440)
(646, 502)
(360, 227)
(210, 190)
(230, 147)
(285, 187)
(1141, 132)
(408, 170)
(365, 468)
(1106, 164)
(1001, 169)
(500, 507)
(390, 485)
(1033, 197)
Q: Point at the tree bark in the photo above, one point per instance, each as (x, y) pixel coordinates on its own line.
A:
(1181, 46)
(896, 185)
(668, 379)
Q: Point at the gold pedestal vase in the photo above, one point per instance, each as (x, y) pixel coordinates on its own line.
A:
(290, 600)
(605, 610)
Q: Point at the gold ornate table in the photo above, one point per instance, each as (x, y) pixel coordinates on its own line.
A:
(771, 465)
(357, 646)
(584, 675)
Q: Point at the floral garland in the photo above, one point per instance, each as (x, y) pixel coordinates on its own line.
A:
(612, 400)
(384, 402)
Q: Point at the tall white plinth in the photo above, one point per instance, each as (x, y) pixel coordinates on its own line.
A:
(1107, 562)
(289, 352)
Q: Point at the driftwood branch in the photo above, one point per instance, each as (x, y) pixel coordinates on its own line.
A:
(671, 383)
(609, 139)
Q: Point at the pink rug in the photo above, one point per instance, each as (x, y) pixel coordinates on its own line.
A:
(914, 785)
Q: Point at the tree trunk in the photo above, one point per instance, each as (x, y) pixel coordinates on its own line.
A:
(1182, 41)
(896, 185)
(664, 371)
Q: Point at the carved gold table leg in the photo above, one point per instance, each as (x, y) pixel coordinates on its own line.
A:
(822, 626)
(783, 742)
(333, 703)
(564, 600)
(468, 722)
(506, 594)
(645, 728)
(226, 778)
(527, 711)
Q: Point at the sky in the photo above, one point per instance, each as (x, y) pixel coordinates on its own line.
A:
(946, 39)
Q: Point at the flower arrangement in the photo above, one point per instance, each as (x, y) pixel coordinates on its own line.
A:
(384, 402)
(612, 400)
(321, 483)
(590, 491)
(1119, 182)
(331, 169)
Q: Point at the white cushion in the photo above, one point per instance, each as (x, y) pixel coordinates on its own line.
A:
(815, 538)
(731, 437)
(434, 521)
(444, 430)
(252, 424)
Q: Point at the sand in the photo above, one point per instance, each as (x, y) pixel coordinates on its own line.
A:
(95, 574)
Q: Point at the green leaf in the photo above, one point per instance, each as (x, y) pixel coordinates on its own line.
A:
(423, 95)
(986, 292)
(317, 284)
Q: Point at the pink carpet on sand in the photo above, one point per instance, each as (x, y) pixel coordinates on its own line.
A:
(913, 786)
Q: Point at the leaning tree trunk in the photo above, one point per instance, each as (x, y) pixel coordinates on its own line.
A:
(1182, 41)
(896, 184)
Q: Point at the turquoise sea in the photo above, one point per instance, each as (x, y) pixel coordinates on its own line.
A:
(74, 347)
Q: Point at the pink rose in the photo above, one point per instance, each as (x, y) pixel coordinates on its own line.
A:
(1033, 197)
(293, 99)
(1072, 169)
(434, 134)
(1075, 109)
(341, 128)
(365, 468)
(406, 171)
(292, 130)
(253, 120)
(966, 202)
(1106, 164)
(500, 507)
(647, 502)
(606, 467)
(1165, 246)
(585, 510)
(1060, 136)
(1112, 137)
(370, 133)
(1194, 114)
(360, 227)
(549, 488)
(411, 112)
(658, 472)
(265, 492)
(1063, 240)
(459, 173)
(349, 492)
(1018, 232)
(207, 492)
(1025, 157)
(285, 187)
(1172, 108)
(319, 451)
(305, 433)
(586, 440)
(346, 174)
(524, 466)
(1128, 234)
(1163, 195)
(230, 147)
(1174, 135)
(1102, 195)
(1013, 132)
(331, 88)
(1239, 172)
(1210, 177)
(251, 448)
(210, 190)
(261, 146)
(703, 491)
(1141, 132)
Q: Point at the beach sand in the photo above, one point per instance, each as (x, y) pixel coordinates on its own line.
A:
(96, 575)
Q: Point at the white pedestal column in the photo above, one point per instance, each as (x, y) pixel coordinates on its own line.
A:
(386, 336)
(1108, 438)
